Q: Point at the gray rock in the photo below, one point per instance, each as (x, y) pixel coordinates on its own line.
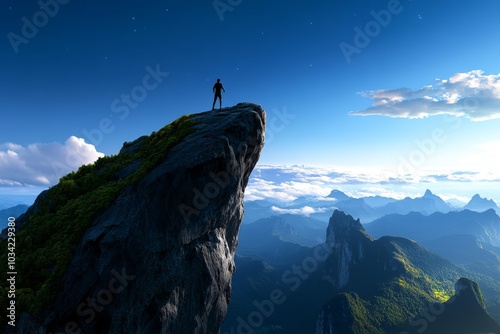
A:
(160, 259)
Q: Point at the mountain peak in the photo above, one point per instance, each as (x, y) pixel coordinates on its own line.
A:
(159, 220)
(477, 199)
(341, 227)
(338, 195)
(429, 193)
(347, 240)
(478, 203)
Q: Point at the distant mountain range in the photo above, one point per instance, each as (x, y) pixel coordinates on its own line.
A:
(14, 211)
(367, 209)
(9, 201)
(484, 226)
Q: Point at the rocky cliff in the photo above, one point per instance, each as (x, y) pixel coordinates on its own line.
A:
(157, 252)
(348, 242)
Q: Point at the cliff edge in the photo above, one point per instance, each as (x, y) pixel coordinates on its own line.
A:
(153, 232)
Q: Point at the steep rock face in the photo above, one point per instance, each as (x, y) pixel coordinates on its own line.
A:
(160, 259)
(347, 240)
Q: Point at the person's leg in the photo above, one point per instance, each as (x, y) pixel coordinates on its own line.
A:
(220, 102)
(213, 104)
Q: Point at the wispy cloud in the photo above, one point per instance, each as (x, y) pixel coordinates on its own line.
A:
(471, 94)
(42, 164)
(305, 210)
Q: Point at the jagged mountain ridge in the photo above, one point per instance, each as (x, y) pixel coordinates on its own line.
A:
(162, 248)
(367, 209)
(426, 204)
(14, 211)
(477, 203)
(484, 225)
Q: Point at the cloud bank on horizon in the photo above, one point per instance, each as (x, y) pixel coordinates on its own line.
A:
(285, 184)
(470, 94)
(42, 164)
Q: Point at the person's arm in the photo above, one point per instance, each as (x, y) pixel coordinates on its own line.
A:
(213, 89)
(222, 88)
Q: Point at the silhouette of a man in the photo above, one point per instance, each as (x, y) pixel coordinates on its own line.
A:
(217, 93)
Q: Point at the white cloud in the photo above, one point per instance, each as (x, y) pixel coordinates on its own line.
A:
(472, 94)
(42, 164)
(305, 210)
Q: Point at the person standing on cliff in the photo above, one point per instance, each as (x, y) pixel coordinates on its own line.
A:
(217, 93)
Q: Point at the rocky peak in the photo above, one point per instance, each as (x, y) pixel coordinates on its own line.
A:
(429, 194)
(347, 240)
(159, 257)
(343, 228)
(479, 203)
(338, 195)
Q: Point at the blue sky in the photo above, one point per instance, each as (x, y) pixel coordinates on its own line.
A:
(418, 97)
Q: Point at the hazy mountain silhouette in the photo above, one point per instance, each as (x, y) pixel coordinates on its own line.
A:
(477, 203)
(427, 204)
(14, 211)
(338, 195)
(367, 209)
(417, 226)
(378, 201)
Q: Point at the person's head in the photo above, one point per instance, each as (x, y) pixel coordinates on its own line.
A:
(218, 80)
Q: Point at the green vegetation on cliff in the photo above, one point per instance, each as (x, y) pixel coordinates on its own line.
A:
(45, 244)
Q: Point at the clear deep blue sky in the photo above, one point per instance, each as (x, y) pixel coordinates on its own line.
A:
(69, 77)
